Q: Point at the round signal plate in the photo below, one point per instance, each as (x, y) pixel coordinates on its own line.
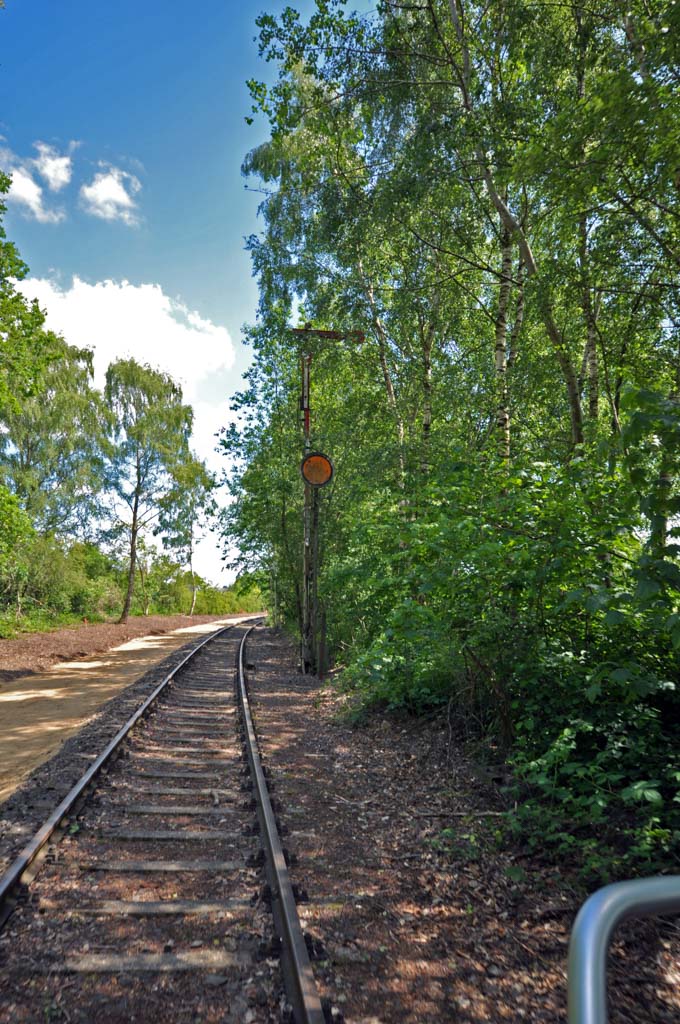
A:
(316, 469)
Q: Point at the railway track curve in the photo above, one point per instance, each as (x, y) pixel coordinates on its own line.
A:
(142, 895)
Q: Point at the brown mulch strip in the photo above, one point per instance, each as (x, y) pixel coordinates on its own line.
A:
(417, 913)
(30, 653)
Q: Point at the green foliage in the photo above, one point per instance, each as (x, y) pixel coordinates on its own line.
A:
(522, 605)
(497, 211)
(50, 584)
(16, 534)
(148, 456)
(51, 451)
(26, 349)
(67, 455)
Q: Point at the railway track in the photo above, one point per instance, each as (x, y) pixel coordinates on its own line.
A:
(143, 897)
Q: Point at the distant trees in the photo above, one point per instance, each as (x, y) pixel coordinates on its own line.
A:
(151, 473)
(52, 450)
(185, 511)
(26, 348)
(79, 468)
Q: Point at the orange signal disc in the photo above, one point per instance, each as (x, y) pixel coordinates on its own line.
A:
(316, 469)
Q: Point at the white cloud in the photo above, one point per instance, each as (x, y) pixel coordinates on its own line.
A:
(56, 168)
(25, 192)
(119, 319)
(110, 195)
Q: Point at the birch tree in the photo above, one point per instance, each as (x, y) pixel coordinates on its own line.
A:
(148, 450)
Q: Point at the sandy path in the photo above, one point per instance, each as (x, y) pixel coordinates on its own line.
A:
(39, 712)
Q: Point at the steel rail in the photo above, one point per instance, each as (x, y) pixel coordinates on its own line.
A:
(23, 861)
(296, 968)
(592, 932)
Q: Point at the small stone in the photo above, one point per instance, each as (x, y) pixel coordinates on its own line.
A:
(215, 980)
(347, 955)
(196, 944)
(495, 972)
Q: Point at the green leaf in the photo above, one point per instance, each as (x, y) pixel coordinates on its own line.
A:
(596, 602)
(647, 589)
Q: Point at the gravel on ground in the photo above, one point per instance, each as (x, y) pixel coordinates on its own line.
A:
(34, 795)
(416, 913)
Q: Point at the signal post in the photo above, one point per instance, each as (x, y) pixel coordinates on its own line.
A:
(317, 471)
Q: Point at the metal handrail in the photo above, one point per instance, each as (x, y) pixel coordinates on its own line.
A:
(592, 932)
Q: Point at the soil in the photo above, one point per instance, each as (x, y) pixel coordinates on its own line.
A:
(416, 914)
(29, 653)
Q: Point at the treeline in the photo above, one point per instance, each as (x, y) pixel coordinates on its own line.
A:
(489, 193)
(86, 476)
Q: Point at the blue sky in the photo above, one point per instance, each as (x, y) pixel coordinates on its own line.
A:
(123, 126)
(156, 89)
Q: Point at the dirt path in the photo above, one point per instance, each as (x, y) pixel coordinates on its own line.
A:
(39, 711)
(31, 653)
(418, 915)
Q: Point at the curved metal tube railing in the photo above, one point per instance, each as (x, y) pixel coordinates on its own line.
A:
(592, 932)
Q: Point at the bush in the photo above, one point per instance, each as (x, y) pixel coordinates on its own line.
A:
(533, 605)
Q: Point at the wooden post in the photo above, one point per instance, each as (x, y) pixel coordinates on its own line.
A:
(309, 645)
(307, 652)
(314, 582)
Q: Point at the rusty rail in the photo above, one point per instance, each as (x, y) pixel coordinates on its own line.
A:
(296, 968)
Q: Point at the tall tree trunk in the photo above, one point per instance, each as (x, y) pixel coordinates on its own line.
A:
(427, 399)
(142, 580)
(501, 347)
(381, 337)
(589, 370)
(193, 580)
(427, 336)
(519, 316)
(134, 530)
